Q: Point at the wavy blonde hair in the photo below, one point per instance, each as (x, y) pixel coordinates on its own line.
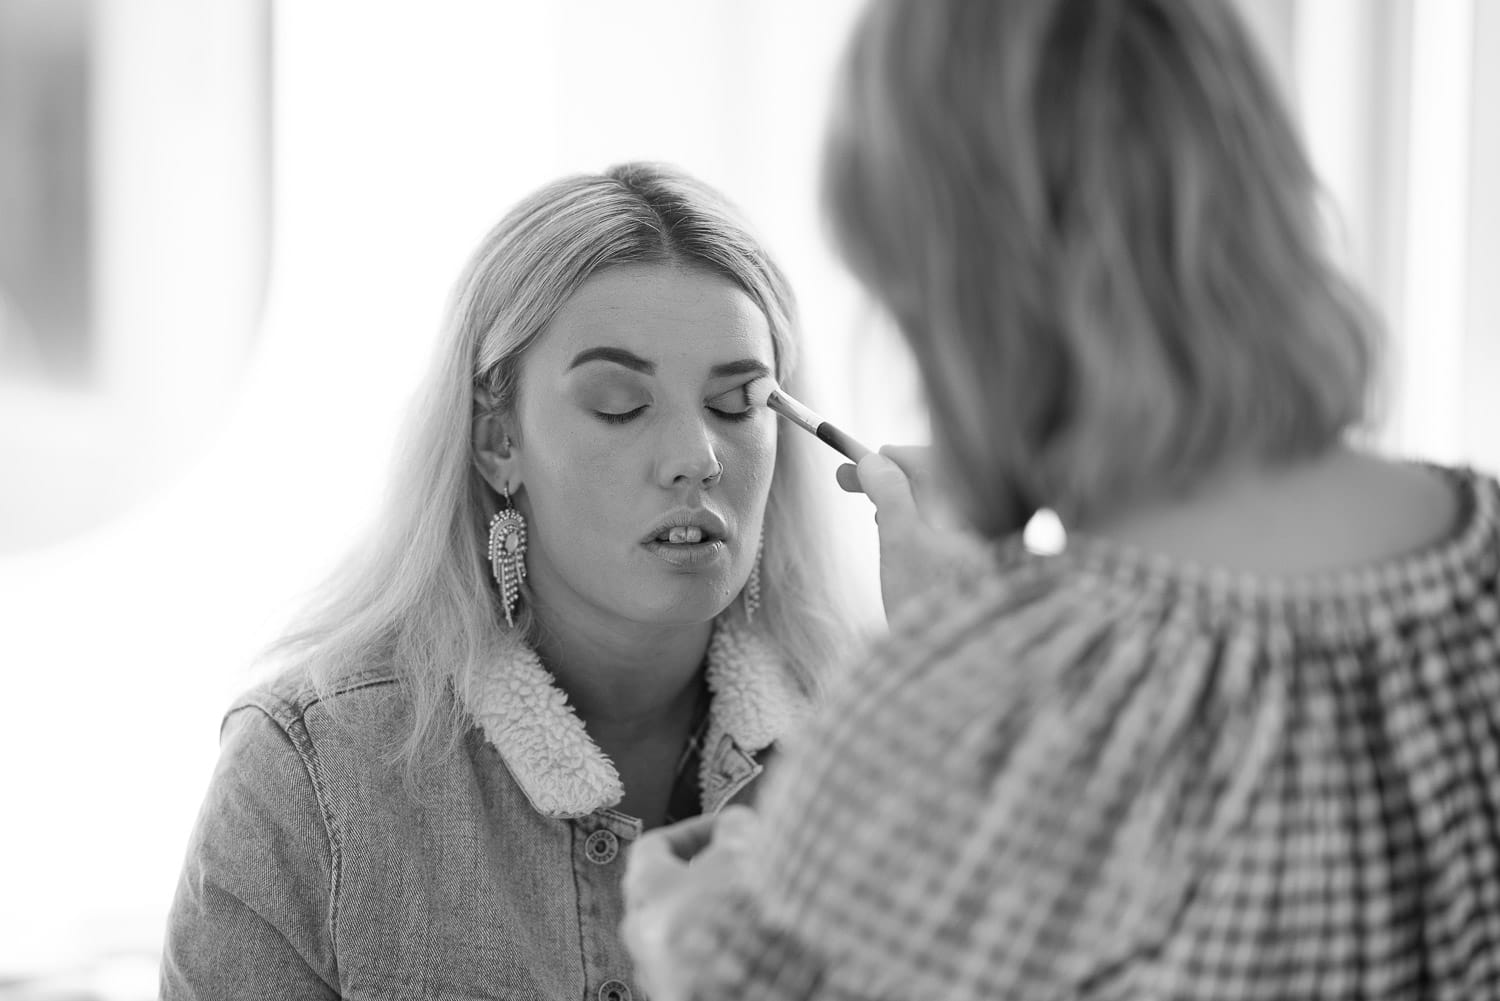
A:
(418, 597)
(1096, 226)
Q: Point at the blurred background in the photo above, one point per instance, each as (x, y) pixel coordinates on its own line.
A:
(227, 228)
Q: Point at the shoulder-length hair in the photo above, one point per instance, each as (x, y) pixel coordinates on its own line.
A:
(1096, 226)
(418, 598)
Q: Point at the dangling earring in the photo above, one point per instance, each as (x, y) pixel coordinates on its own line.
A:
(752, 586)
(508, 555)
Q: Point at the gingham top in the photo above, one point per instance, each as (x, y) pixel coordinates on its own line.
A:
(1098, 775)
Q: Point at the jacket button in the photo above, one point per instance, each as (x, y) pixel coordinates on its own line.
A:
(614, 990)
(601, 848)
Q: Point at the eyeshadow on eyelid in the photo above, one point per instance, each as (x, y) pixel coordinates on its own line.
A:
(614, 399)
(610, 394)
(610, 379)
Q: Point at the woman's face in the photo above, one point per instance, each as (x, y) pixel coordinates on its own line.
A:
(633, 422)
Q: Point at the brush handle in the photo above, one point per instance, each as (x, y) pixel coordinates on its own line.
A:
(815, 425)
(841, 441)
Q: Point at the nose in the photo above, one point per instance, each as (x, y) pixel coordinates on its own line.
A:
(702, 470)
(688, 457)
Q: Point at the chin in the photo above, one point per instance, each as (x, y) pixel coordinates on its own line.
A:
(682, 606)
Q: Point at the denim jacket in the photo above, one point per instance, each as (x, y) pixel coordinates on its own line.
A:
(312, 873)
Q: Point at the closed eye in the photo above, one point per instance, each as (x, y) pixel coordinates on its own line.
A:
(733, 405)
(624, 417)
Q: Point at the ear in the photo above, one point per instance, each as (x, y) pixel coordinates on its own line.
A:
(496, 455)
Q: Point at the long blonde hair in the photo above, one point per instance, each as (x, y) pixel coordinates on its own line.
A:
(1097, 228)
(417, 599)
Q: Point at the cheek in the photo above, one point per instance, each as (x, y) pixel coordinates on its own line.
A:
(573, 482)
(754, 459)
(564, 448)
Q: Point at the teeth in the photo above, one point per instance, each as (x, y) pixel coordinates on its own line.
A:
(685, 534)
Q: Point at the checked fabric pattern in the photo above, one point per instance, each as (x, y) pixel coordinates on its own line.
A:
(1099, 776)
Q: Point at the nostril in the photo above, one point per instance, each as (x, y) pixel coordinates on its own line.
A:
(700, 470)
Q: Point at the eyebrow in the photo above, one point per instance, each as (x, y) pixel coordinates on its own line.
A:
(744, 366)
(633, 361)
(619, 356)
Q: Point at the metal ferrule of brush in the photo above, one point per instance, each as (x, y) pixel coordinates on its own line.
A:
(794, 412)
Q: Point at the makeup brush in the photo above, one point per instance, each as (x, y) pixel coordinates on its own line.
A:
(767, 392)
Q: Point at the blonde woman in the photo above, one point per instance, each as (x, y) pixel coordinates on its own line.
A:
(1241, 738)
(594, 604)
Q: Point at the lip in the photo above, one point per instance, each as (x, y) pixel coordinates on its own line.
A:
(690, 555)
(701, 518)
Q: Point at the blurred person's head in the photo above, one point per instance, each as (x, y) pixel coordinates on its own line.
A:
(1096, 227)
(592, 365)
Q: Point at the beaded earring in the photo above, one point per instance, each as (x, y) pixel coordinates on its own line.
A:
(508, 555)
(752, 586)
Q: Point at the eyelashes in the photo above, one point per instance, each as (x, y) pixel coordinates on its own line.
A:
(738, 403)
(732, 416)
(623, 418)
(739, 397)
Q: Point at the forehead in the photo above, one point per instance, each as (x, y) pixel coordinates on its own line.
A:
(665, 313)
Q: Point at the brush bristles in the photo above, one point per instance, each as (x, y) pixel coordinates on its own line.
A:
(778, 401)
(758, 393)
(765, 392)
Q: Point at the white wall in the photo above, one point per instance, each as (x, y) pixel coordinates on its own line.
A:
(1399, 101)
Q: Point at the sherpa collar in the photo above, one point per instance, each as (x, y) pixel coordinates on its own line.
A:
(753, 701)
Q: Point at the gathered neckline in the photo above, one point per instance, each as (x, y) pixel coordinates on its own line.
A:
(1419, 583)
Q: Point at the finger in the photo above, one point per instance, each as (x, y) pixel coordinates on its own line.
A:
(929, 485)
(916, 461)
(737, 827)
(688, 837)
(737, 821)
(651, 869)
(735, 835)
(887, 486)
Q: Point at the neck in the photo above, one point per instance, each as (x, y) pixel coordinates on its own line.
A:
(1330, 512)
(626, 683)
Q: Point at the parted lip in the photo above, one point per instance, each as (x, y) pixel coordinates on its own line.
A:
(710, 524)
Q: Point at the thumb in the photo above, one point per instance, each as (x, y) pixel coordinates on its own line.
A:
(650, 869)
(686, 838)
(737, 827)
(887, 486)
